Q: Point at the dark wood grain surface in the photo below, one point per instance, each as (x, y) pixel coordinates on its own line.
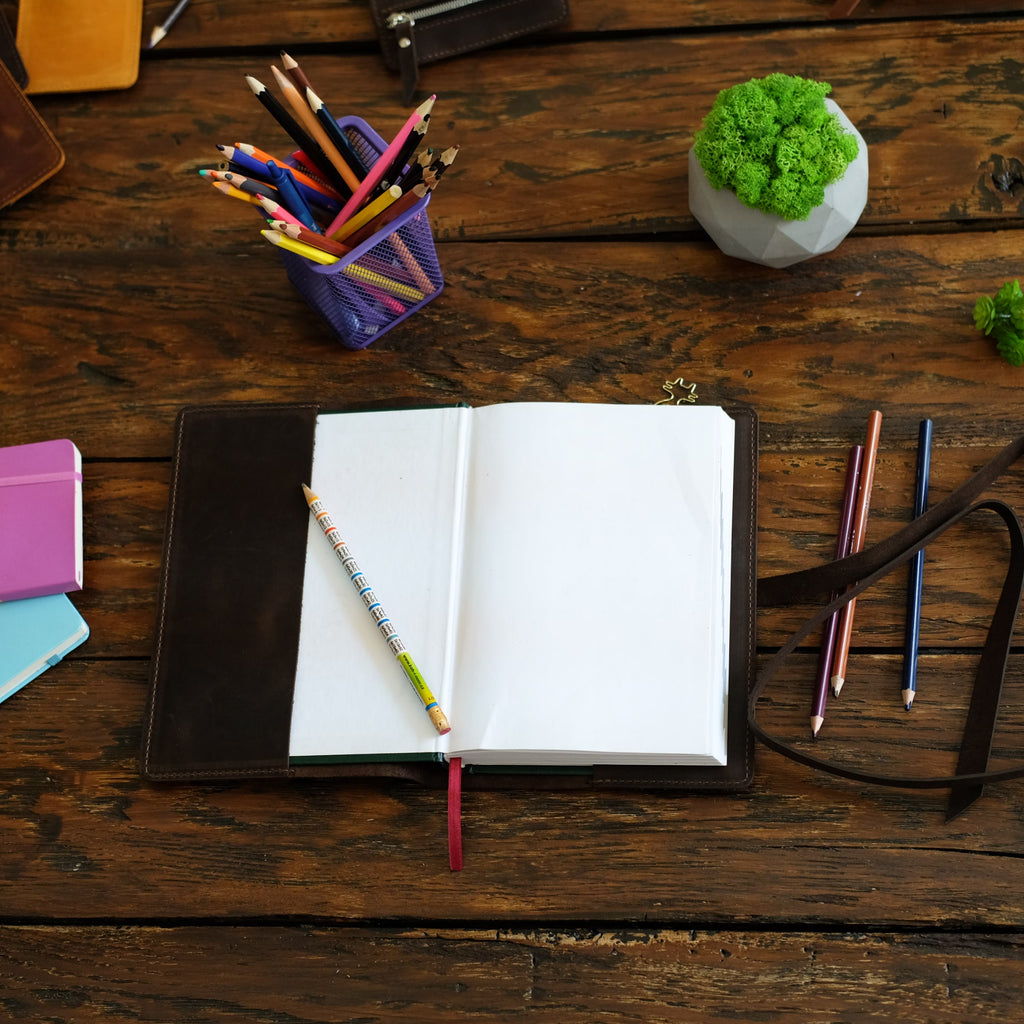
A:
(574, 271)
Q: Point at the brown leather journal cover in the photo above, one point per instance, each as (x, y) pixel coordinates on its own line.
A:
(230, 597)
(80, 45)
(30, 154)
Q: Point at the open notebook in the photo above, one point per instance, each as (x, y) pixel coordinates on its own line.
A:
(573, 581)
(559, 572)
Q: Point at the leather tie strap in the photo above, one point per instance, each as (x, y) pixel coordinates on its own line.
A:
(853, 575)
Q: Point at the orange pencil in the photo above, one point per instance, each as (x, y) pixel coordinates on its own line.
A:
(313, 127)
(860, 522)
(300, 175)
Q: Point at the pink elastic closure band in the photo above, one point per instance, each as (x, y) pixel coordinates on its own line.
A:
(38, 478)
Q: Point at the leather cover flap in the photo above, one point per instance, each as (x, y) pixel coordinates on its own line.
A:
(80, 45)
(29, 153)
(227, 633)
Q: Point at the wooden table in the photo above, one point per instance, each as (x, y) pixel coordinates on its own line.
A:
(574, 271)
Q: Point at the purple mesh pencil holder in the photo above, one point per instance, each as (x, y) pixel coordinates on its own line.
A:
(384, 279)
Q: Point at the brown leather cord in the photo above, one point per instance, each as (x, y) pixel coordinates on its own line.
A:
(860, 571)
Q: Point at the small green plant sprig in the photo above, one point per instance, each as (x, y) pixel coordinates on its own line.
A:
(775, 144)
(1002, 317)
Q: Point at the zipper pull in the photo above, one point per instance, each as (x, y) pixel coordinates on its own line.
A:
(402, 25)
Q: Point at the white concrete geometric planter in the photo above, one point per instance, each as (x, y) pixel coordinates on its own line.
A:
(767, 238)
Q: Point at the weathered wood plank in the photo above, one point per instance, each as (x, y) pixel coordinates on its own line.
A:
(120, 340)
(585, 138)
(380, 976)
(84, 837)
(207, 24)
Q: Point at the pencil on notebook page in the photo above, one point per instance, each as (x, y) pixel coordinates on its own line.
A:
(381, 620)
(373, 179)
(860, 522)
(912, 633)
(297, 102)
(842, 549)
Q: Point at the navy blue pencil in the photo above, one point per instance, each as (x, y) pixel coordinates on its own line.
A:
(913, 625)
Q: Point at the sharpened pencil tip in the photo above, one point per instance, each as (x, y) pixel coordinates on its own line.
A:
(908, 699)
(308, 493)
(837, 685)
(816, 723)
(158, 33)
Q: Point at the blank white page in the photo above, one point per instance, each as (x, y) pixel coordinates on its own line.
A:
(392, 482)
(594, 576)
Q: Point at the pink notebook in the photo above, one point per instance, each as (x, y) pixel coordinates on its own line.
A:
(40, 519)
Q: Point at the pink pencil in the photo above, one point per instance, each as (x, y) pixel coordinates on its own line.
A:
(277, 210)
(373, 179)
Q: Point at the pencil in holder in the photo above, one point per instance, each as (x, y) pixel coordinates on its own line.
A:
(384, 279)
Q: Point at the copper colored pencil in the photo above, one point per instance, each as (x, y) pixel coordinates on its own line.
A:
(842, 549)
(860, 522)
(302, 234)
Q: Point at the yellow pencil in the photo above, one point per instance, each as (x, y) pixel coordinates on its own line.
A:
(372, 277)
(367, 213)
(297, 247)
(381, 620)
(235, 193)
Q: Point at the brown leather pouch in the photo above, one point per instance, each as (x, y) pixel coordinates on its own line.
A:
(417, 32)
(79, 45)
(30, 154)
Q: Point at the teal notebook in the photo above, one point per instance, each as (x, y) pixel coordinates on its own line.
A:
(34, 634)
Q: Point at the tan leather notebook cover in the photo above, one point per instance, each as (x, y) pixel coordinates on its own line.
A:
(30, 154)
(80, 45)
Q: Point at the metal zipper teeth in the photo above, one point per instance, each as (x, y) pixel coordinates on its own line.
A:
(428, 11)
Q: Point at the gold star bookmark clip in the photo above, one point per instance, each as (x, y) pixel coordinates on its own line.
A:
(687, 395)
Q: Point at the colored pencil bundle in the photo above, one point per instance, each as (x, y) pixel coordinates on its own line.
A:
(334, 192)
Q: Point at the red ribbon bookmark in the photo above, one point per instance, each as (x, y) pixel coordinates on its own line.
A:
(455, 813)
